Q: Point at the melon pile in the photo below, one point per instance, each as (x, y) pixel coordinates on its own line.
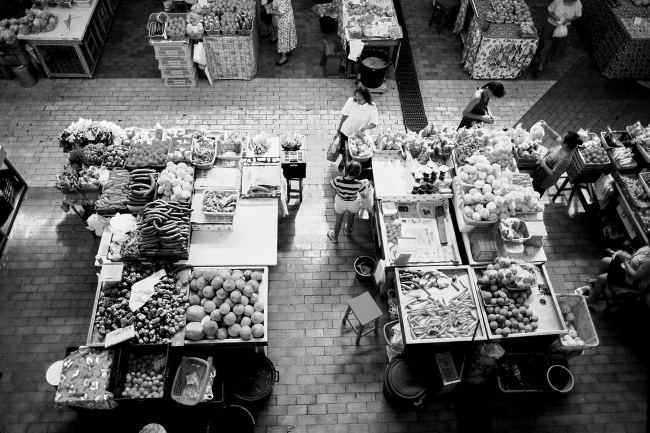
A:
(224, 303)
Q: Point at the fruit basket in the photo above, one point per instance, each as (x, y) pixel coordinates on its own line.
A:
(157, 22)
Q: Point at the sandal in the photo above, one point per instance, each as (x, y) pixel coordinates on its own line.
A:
(280, 62)
(330, 236)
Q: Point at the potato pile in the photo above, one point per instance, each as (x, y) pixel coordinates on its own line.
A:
(224, 303)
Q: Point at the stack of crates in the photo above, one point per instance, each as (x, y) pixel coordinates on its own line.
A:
(174, 56)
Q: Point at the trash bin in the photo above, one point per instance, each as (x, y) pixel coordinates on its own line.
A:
(25, 78)
(327, 24)
(373, 67)
(560, 379)
(402, 384)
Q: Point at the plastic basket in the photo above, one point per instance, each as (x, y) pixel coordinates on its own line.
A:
(521, 240)
(184, 392)
(513, 250)
(532, 368)
(583, 323)
(484, 249)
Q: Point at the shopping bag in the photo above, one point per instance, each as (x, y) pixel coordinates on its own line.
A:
(536, 131)
(560, 31)
(333, 150)
(199, 54)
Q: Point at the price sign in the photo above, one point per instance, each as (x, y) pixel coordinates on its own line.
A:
(637, 21)
(119, 335)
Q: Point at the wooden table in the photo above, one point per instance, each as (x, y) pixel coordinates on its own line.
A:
(74, 52)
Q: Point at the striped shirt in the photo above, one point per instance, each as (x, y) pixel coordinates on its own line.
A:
(347, 189)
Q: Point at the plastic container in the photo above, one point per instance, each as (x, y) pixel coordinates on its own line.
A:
(402, 386)
(522, 372)
(189, 366)
(368, 261)
(560, 379)
(583, 323)
(372, 77)
(254, 383)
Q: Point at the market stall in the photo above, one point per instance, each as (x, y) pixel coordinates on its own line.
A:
(73, 48)
(370, 27)
(495, 48)
(620, 34)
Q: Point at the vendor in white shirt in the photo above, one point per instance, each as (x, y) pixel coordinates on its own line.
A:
(358, 114)
(560, 13)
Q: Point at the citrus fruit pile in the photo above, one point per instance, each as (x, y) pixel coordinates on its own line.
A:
(510, 11)
(143, 154)
(176, 26)
(594, 155)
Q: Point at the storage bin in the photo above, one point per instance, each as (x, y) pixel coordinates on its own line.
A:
(180, 81)
(174, 62)
(583, 323)
(173, 50)
(178, 72)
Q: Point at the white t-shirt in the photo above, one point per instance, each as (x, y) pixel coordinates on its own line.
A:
(358, 116)
(564, 12)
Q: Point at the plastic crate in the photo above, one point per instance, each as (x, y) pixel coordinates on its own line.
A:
(159, 37)
(173, 62)
(484, 249)
(180, 50)
(180, 81)
(158, 350)
(532, 370)
(178, 72)
(583, 323)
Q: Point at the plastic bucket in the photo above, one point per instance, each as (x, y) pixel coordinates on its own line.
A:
(23, 75)
(402, 385)
(368, 261)
(257, 384)
(560, 379)
(327, 24)
(373, 77)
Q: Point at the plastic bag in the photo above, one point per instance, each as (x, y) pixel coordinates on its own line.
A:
(537, 131)
(121, 225)
(199, 54)
(333, 149)
(104, 173)
(560, 31)
(368, 201)
(96, 223)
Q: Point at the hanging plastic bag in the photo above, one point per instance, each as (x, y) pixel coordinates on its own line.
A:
(537, 131)
(560, 31)
(367, 202)
(333, 149)
(199, 54)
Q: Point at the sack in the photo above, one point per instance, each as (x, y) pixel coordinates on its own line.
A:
(536, 131)
(560, 31)
(333, 150)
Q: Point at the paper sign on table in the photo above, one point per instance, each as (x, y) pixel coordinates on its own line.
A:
(143, 290)
(111, 272)
(119, 335)
(637, 21)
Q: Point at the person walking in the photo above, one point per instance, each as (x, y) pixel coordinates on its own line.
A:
(358, 114)
(477, 112)
(348, 189)
(556, 161)
(286, 29)
(551, 43)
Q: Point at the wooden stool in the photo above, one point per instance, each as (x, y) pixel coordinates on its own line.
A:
(574, 187)
(365, 310)
(333, 54)
(294, 191)
(443, 8)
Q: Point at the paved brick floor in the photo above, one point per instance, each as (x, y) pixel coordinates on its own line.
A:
(328, 384)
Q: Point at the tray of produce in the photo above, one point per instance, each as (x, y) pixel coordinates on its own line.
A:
(204, 150)
(517, 300)
(636, 195)
(115, 156)
(115, 193)
(611, 139)
(180, 148)
(176, 183)
(227, 305)
(144, 154)
(260, 180)
(438, 305)
(157, 321)
(263, 146)
(622, 159)
(141, 373)
(164, 229)
(167, 26)
(292, 141)
(142, 188)
(582, 332)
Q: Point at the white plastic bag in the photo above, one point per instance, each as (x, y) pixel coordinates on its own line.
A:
(199, 54)
(96, 223)
(103, 176)
(121, 225)
(537, 131)
(560, 31)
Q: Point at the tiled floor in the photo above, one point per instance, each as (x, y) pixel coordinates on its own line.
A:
(328, 384)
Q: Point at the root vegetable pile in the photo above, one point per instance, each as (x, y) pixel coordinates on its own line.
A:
(164, 228)
(219, 201)
(116, 191)
(430, 317)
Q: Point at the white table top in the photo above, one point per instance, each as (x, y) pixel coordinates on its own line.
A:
(80, 20)
(252, 242)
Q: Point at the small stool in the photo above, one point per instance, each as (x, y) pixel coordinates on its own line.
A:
(333, 54)
(290, 190)
(365, 310)
(444, 8)
(574, 187)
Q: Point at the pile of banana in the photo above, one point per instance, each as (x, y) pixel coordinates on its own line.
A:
(164, 228)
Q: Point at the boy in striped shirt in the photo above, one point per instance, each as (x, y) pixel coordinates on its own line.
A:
(348, 188)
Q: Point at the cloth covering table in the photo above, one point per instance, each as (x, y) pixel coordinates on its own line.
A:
(494, 52)
(232, 57)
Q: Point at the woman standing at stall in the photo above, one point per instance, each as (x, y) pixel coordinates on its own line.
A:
(347, 188)
(477, 111)
(560, 13)
(358, 114)
(286, 29)
(556, 160)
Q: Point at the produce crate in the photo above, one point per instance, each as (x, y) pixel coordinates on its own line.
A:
(484, 249)
(123, 369)
(584, 325)
(159, 38)
(618, 167)
(217, 217)
(643, 182)
(181, 82)
(178, 50)
(218, 388)
(178, 72)
(177, 143)
(172, 62)
(531, 376)
(579, 170)
(619, 135)
(232, 57)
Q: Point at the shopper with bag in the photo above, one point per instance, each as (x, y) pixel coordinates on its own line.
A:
(358, 114)
(556, 161)
(349, 191)
(553, 40)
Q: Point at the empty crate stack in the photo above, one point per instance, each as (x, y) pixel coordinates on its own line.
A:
(175, 63)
